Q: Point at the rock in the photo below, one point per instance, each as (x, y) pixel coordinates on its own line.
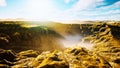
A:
(53, 60)
(23, 63)
(4, 66)
(82, 58)
(117, 60)
(38, 60)
(8, 55)
(29, 53)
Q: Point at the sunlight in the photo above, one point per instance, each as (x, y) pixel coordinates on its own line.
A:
(3, 3)
(40, 9)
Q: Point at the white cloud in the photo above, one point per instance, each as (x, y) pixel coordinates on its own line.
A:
(115, 5)
(67, 1)
(77, 13)
(86, 10)
(81, 10)
(105, 10)
(101, 13)
(112, 12)
(3, 3)
(85, 4)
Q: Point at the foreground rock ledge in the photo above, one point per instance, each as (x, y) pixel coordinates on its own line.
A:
(77, 57)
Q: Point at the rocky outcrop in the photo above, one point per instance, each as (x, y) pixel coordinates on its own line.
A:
(76, 57)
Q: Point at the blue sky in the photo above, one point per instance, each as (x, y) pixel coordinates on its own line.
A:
(57, 10)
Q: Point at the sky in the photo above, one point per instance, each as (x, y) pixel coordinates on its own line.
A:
(58, 10)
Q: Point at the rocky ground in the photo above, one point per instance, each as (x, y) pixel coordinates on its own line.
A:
(104, 54)
(78, 57)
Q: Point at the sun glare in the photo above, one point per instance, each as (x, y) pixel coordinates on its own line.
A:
(40, 9)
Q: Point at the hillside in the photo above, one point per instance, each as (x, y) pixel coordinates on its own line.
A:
(15, 36)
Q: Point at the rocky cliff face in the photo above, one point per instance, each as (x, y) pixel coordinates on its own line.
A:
(104, 54)
(15, 36)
